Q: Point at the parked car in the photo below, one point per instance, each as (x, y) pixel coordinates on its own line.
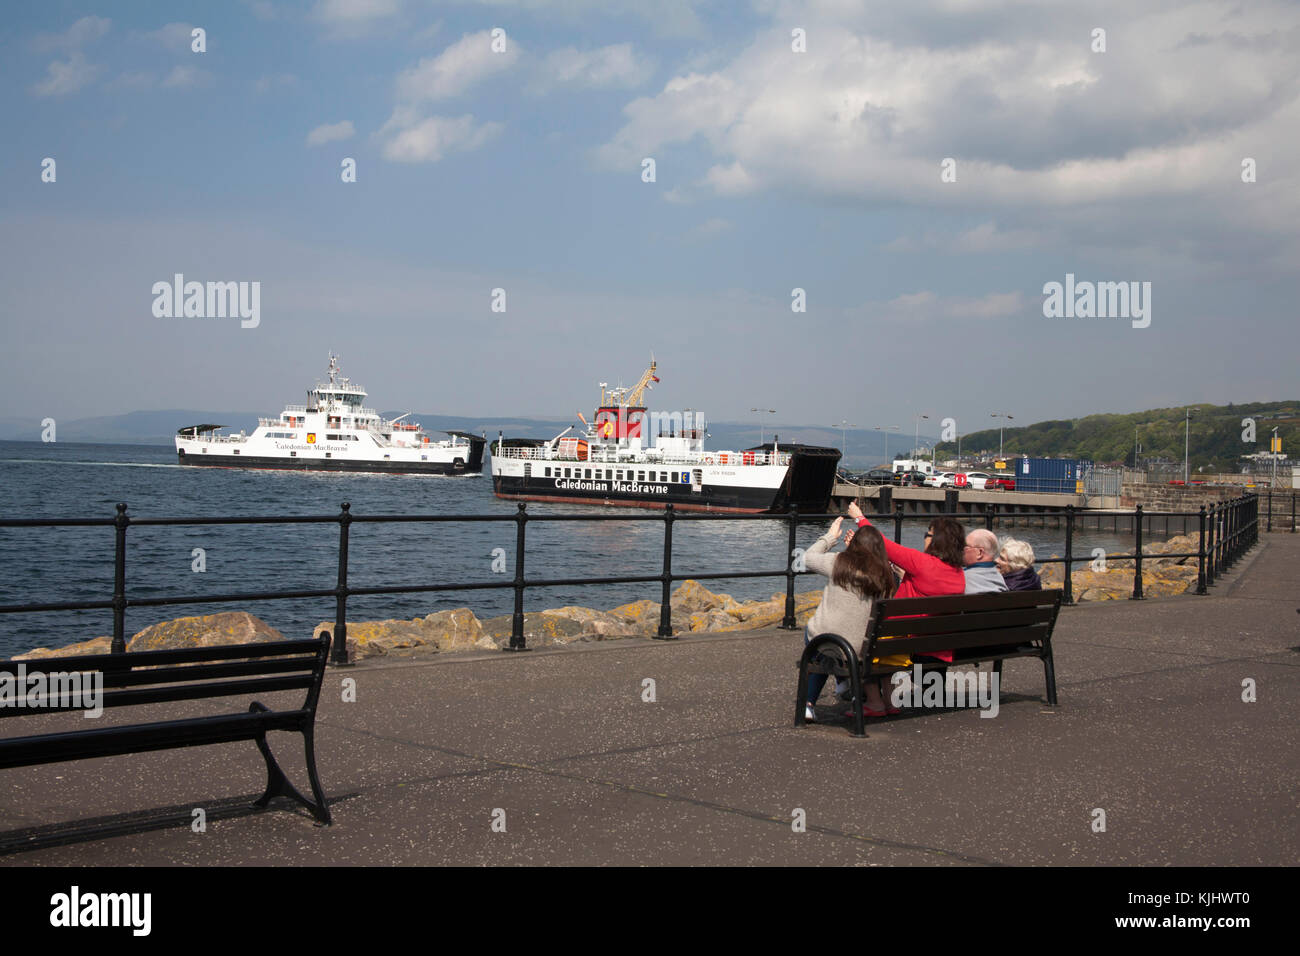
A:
(878, 476)
(940, 479)
(1000, 483)
(913, 479)
(978, 480)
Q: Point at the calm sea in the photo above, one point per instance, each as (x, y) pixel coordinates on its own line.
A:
(87, 480)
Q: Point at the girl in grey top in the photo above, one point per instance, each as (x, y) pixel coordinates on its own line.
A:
(858, 575)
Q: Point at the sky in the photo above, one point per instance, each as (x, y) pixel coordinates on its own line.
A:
(920, 171)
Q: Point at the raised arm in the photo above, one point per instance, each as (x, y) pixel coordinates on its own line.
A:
(818, 557)
(909, 559)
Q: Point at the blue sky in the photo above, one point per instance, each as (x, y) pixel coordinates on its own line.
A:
(775, 169)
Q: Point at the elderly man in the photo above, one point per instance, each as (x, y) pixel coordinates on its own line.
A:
(980, 558)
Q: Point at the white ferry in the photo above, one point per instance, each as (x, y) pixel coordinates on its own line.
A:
(334, 431)
(611, 464)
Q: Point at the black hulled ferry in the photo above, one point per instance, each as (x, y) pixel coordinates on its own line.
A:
(610, 463)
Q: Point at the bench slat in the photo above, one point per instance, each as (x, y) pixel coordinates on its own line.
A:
(142, 738)
(185, 655)
(190, 673)
(958, 603)
(969, 621)
(930, 643)
(173, 692)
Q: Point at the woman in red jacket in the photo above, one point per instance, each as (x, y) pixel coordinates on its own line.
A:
(933, 572)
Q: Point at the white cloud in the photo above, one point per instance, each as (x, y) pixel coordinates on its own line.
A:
(430, 139)
(173, 37)
(67, 76)
(186, 76)
(411, 136)
(138, 80)
(987, 237)
(84, 31)
(665, 17)
(465, 63)
(617, 65)
(1032, 116)
(272, 81)
(712, 227)
(330, 133)
(354, 11)
(930, 306)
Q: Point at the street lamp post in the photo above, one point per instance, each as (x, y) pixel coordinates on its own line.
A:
(886, 429)
(1008, 418)
(844, 427)
(1187, 437)
(917, 439)
(760, 420)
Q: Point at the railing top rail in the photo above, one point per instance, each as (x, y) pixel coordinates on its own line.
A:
(801, 517)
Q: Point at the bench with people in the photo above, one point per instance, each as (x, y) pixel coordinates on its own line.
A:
(875, 583)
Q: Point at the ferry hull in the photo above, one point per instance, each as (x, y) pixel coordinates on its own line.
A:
(735, 499)
(806, 485)
(329, 464)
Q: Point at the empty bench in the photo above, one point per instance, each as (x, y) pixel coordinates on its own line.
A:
(976, 628)
(151, 677)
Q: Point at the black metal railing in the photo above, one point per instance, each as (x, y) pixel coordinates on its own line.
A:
(1227, 530)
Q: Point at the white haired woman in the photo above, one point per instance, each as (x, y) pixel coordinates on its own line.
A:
(1016, 562)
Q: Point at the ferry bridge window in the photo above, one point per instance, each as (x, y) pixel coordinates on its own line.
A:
(676, 476)
(663, 476)
(546, 472)
(588, 473)
(620, 474)
(640, 476)
(568, 473)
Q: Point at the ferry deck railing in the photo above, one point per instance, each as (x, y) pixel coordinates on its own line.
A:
(1227, 530)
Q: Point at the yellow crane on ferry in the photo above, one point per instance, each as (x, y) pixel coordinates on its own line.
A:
(629, 397)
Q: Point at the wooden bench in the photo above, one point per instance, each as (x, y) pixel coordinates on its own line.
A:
(976, 628)
(150, 677)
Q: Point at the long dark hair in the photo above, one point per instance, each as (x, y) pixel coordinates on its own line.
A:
(947, 541)
(863, 567)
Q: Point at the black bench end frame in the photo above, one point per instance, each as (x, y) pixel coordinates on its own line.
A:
(976, 628)
(150, 677)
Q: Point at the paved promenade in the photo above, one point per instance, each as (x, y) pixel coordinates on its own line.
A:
(1151, 728)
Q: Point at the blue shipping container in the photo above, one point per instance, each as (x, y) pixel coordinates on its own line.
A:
(1059, 475)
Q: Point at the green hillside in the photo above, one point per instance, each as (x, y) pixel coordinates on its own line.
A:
(1215, 442)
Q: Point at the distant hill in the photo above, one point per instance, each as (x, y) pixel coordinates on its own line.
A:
(1215, 440)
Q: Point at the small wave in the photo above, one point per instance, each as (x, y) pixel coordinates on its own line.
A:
(105, 464)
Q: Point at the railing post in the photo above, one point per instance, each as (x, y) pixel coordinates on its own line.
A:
(1270, 509)
(118, 645)
(517, 640)
(898, 523)
(339, 649)
(1137, 554)
(988, 516)
(788, 622)
(1200, 557)
(665, 606)
(1068, 597)
(1213, 554)
(1293, 496)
